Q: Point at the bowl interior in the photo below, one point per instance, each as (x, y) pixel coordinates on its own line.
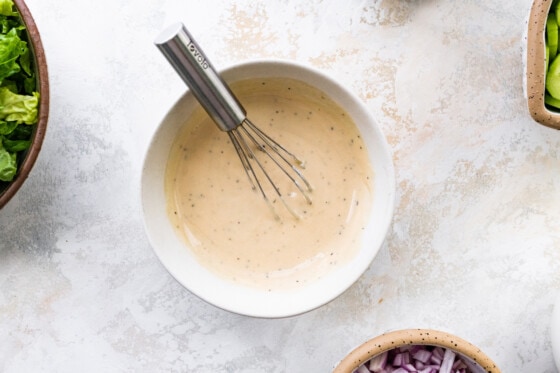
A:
(41, 74)
(476, 360)
(179, 261)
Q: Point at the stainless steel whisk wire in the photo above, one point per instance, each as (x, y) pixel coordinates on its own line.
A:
(188, 60)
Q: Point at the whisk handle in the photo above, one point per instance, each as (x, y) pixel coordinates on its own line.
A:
(184, 54)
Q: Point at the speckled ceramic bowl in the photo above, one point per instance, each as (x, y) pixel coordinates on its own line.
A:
(478, 362)
(179, 259)
(40, 64)
(535, 60)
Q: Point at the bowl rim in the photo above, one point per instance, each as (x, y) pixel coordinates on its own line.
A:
(42, 76)
(291, 306)
(397, 338)
(535, 74)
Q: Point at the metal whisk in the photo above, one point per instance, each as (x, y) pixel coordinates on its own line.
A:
(184, 54)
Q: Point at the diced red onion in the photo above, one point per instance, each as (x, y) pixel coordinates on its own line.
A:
(398, 360)
(363, 369)
(447, 362)
(435, 359)
(438, 351)
(428, 370)
(459, 364)
(415, 359)
(378, 362)
(422, 356)
(400, 370)
(409, 367)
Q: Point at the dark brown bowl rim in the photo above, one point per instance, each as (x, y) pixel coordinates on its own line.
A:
(43, 88)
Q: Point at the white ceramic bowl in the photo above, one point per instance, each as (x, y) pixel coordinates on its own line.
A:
(180, 262)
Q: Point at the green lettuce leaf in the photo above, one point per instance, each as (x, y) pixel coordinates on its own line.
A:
(7, 23)
(14, 146)
(7, 127)
(18, 108)
(11, 47)
(8, 164)
(21, 132)
(6, 8)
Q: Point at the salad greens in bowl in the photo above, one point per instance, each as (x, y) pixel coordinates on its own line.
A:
(542, 63)
(24, 96)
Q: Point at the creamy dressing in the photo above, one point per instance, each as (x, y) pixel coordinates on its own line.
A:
(228, 226)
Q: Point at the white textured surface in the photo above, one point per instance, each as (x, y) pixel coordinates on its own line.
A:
(475, 244)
